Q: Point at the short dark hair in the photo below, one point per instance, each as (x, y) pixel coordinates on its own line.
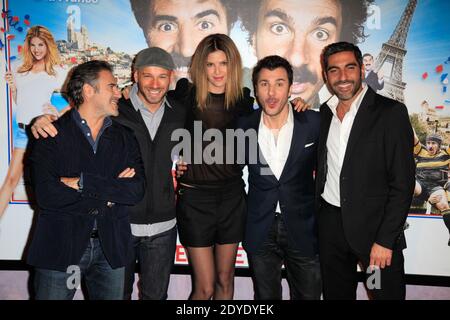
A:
(85, 73)
(354, 15)
(272, 63)
(143, 12)
(367, 55)
(340, 47)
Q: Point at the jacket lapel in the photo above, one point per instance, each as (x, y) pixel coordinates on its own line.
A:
(298, 141)
(359, 124)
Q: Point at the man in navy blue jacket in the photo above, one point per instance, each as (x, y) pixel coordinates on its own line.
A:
(84, 179)
(280, 223)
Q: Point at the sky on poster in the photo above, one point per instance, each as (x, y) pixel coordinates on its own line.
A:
(428, 41)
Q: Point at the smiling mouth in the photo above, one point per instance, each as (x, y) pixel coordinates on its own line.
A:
(154, 92)
(344, 86)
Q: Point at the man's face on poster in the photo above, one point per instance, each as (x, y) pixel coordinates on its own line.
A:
(368, 62)
(178, 26)
(298, 30)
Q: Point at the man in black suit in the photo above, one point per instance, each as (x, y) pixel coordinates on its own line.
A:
(374, 80)
(365, 181)
(280, 225)
(152, 115)
(84, 179)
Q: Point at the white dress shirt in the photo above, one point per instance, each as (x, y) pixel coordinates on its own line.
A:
(336, 146)
(275, 146)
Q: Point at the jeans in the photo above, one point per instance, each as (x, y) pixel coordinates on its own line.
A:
(155, 256)
(102, 282)
(303, 273)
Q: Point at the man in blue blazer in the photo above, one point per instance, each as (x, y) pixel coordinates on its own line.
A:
(84, 179)
(281, 224)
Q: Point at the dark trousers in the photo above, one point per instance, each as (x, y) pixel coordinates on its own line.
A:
(338, 263)
(155, 256)
(303, 273)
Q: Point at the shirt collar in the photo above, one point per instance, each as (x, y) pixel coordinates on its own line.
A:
(137, 102)
(83, 123)
(334, 101)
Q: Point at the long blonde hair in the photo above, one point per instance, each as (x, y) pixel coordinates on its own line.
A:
(51, 58)
(197, 69)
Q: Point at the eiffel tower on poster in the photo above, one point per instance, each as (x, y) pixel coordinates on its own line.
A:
(392, 55)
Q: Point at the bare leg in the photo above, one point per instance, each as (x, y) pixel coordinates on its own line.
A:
(417, 189)
(225, 257)
(202, 262)
(15, 172)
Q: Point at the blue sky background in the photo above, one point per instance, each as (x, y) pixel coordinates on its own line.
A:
(428, 45)
(111, 23)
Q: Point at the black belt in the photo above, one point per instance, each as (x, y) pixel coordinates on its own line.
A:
(22, 125)
(94, 234)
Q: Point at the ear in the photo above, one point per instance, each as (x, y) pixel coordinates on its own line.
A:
(363, 71)
(135, 76)
(88, 91)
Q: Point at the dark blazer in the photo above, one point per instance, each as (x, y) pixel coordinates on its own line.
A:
(66, 216)
(294, 190)
(158, 204)
(372, 81)
(377, 176)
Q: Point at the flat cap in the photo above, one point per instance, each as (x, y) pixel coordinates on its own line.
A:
(154, 57)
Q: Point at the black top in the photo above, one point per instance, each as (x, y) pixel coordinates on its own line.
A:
(158, 204)
(207, 167)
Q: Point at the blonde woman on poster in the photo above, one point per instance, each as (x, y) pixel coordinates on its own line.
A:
(32, 85)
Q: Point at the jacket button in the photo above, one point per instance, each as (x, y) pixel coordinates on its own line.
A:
(94, 212)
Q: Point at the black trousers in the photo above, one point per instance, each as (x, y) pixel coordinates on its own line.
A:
(339, 264)
(303, 273)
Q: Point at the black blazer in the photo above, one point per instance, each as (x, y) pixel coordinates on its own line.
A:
(377, 176)
(158, 204)
(294, 190)
(372, 81)
(66, 216)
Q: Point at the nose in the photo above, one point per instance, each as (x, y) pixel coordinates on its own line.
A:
(271, 89)
(217, 70)
(297, 53)
(154, 84)
(186, 41)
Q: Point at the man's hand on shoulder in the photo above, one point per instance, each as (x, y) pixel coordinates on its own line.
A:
(43, 127)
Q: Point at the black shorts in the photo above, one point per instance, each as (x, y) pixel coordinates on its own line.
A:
(427, 190)
(211, 216)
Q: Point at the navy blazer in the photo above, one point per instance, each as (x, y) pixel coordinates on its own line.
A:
(66, 216)
(294, 190)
